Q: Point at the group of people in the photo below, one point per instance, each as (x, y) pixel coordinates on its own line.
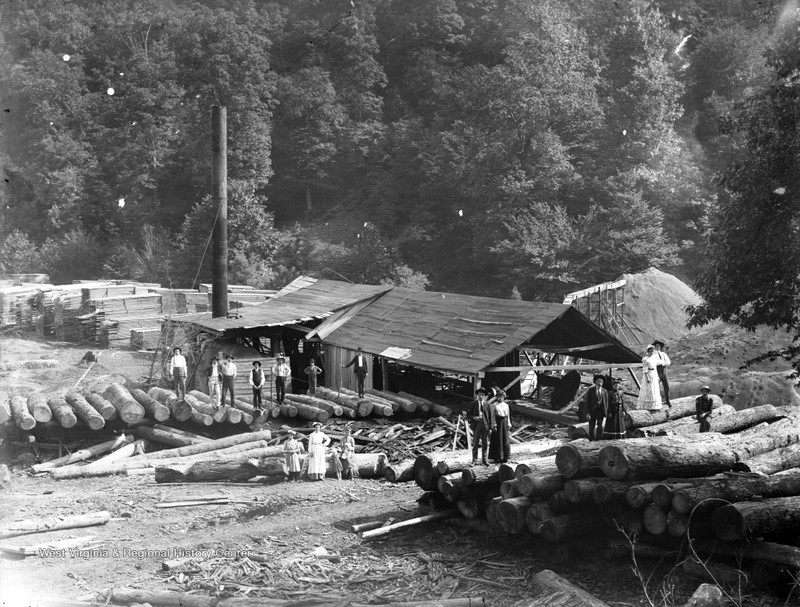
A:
(314, 464)
(490, 421)
(654, 372)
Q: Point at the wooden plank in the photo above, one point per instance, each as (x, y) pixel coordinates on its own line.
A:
(598, 367)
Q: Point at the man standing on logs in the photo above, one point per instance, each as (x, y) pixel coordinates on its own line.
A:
(177, 366)
(359, 364)
(228, 369)
(663, 363)
(597, 407)
(480, 421)
(703, 405)
(312, 370)
(256, 382)
(281, 371)
(213, 373)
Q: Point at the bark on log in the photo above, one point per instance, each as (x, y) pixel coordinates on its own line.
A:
(400, 472)
(179, 409)
(608, 491)
(127, 408)
(207, 446)
(288, 410)
(743, 419)
(234, 471)
(663, 492)
(549, 581)
(479, 474)
(771, 462)
(310, 413)
(580, 491)
(684, 426)
(406, 406)
(509, 489)
(756, 519)
(101, 405)
(655, 519)
(378, 405)
(680, 408)
(165, 437)
(217, 414)
(640, 494)
(567, 525)
(511, 513)
(456, 461)
(63, 413)
(135, 448)
(42, 525)
(201, 419)
(541, 486)
(734, 489)
(436, 516)
(84, 454)
(579, 456)
(152, 407)
(361, 407)
(779, 554)
(85, 412)
(320, 403)
(543, 466)
(20, 413)
(37, 406)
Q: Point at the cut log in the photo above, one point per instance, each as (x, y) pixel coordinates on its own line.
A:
(549, 581)
(680, 408)
(288, 410)
(83, 454)
(127, 408)
(20, 413)
(310, 413)
(194, 436)
(5, 409)
(215, 413)
(771, 462)
(234, 415)
(36, 549)
(63, 413)
(538, 486)
(425, 473)
(662, 493)
(101, 405)
(511, 513)
(542, 510)
(734, 489)
(85, 412)
(42, 525)
(579, 456)
(580, 491)
(400, 472)
(207, 446)
(455, 461)
(361, 407)
(165, 437)
(571, 524)
(507, 471)
(152, 407)
(124, 452)
(479, 474)
(37, 406)
(607, 492)
(742, 419)
(684, 426)
(533, 523)
(201, 419)
(179, 409)
(639, 495)
(233, 471)
(778, 554)
(756, 519)
(677, 523)
(318, 403)
(406, 406)
(436, 516)
(510, 489)
(655, 519)
(543, 466)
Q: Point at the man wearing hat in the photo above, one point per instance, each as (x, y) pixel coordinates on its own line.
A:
(703, 405)
(281, 371)
(256, 380)
(213, 373)
(177, 367)
(663, 362)
(228, 369)
(597, 408)
(359, 364)
(480, 421)
(312, 370)
(291, 452)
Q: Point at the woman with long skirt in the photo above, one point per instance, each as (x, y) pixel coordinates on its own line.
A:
(291, 451)
(649, 394)
(614, 427)
(317, 442)
(500, 442)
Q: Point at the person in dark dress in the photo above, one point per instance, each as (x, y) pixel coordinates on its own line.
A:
(480, 421)
(500, 444)
(597, 408)
(703, 405)
(359, 364)
(615, 420)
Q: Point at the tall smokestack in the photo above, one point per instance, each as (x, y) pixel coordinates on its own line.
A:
(219, 182)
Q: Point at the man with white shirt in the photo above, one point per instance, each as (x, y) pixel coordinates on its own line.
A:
(228, 369)
(281, 371)
(359, 364)
(177, 367)
(663, 363)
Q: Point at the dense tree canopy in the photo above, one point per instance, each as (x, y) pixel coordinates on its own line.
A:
(481, 146)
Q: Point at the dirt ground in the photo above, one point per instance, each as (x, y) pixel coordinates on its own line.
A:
(283, 521)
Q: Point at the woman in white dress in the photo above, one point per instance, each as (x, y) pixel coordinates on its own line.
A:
(317, 442)
(649, 395)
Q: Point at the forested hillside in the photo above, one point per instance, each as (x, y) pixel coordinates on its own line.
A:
(480, 146)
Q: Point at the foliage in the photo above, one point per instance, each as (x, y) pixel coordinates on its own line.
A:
(18, 255)
(72, 256)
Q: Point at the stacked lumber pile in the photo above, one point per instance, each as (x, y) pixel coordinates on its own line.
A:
(662, 489)
(15, 305)
(115, 317)
(145, 339)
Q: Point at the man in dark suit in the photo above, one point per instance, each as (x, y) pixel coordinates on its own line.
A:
(703, 406)
(359, 364)
(597, 407)
(480, 421)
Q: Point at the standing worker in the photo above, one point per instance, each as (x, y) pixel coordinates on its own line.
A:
(359, 363)
(703, 405)
(597, 407)
(228, 369)
(661, 368)
(281, 371)
(312, 370)
(257, 382)
(177, 366)
(500, 444)
(480, 420)
(213, 373)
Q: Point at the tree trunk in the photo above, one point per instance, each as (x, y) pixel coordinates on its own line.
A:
(165, 437)
(406, 406)
(83, 454)
(425, 473)
(42, 525)
(234, 471)
(734, 489)
(511, 513)
(288, 410)
(684, 426)
(37, 406)
(527, 452)
(201, 419)
(400, 472)
(607, 491)
(135, 448)
(101, 405)
(680, 408)
(320, 403)
(654, 519)
(152, 407)
(509, 489)
(579, 456)
(771, 462)
(217, 414)
(541, 485)
(571, 524)
(479, 474)
(754, 519)
(779, 554)
(63, 413)
(361, 407)
(179, 409)
(580, 491)
(85, 412)
(207, 446)
(127, 408)
(549, 581)
(310, 413)
(20, 413)
(743, 419)
(639, 495)
(540, 465)
(234, 415)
